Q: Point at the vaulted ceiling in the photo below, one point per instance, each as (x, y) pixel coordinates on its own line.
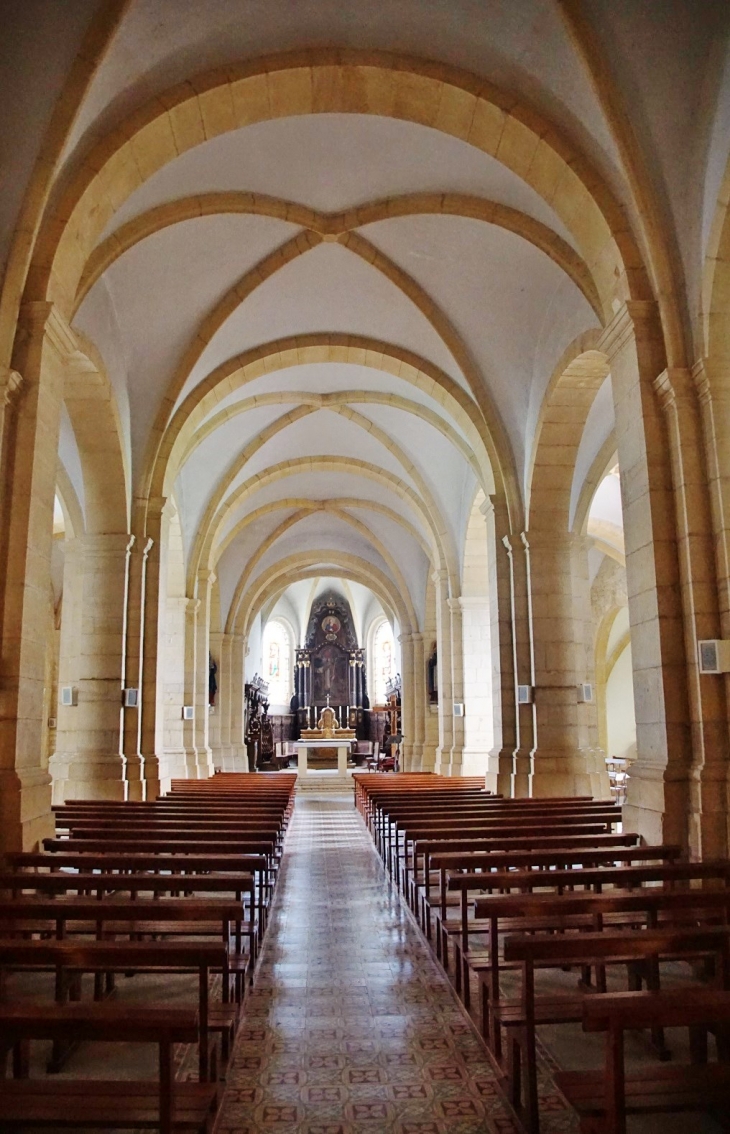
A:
(369, 297)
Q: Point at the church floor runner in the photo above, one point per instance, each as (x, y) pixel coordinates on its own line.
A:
(351, 1026)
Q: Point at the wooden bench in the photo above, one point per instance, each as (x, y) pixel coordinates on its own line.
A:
(651, 906)
(418, 881)
(120, 1104)
(603, 1098)
(584, 949)
(69, 957)
(541, 861)
(142, 863)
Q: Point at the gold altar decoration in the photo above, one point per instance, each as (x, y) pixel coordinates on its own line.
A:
(328, 728)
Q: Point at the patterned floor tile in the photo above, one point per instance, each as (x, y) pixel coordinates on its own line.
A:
(351, 1026)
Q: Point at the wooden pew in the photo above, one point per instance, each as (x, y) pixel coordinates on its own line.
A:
(69, 957)
(509, 913)
(145, 863)
(143, 917)
(543, 862)
(584, 949)
(182, 1108)
(402, 831)
(604, 1098)
(416, 880)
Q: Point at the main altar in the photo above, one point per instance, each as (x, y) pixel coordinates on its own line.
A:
(328, 735)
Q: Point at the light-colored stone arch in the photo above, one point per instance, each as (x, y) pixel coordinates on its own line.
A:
(336, 81)
(304, 504)
(208, 535)
(72, 511)
(306, 565)
(92, 406)
(338, 225)
(569, 396)
(291, 522)
(338, 398)
(167, 449)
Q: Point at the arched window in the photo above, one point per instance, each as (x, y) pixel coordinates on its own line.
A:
(277, 662)
(383, 660)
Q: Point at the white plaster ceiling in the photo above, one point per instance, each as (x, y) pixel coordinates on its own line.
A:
(326, 289)
(333, 162)
(513, 307)
(162, 288)
(522, 46)
(38, 43)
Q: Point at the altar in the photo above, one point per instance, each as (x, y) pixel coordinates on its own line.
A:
(341, 747)
(328, 734)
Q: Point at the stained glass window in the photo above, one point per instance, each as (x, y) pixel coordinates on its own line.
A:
(277, 661)
(383, 660)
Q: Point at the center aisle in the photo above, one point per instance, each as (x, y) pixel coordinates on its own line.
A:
(351, 1026)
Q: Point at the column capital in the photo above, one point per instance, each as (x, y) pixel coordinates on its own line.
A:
(454, 604)
(624, 324)
(674, 382)
(440, 575)
(207, 576)
(192, 605)
(41, 316)
(10, 383)
(487, 507)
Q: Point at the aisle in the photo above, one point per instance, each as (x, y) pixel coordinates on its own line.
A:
(351, 1026)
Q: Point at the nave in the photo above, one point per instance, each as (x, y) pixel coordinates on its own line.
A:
(350, 1026)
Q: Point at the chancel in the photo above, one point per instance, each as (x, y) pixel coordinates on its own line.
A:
(365, 527)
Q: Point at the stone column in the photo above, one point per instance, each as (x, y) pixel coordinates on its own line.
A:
(173, 670)
(477, 681)
(189, 725)
(659, 785)
(132, 716)
(446, 698)
(456, 754)
(155, 775)
(420, 707)
(90, 733)
(239, 756)
(708, 797)
(503, 651)
(407, 700)
(562, 761)
(44, 344)
(206, 579)
(224, 707)
(215, 640)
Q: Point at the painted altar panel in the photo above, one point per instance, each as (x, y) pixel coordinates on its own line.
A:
(330, 674)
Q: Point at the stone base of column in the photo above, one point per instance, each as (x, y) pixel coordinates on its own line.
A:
(205, 763)
(498, 776)
(191, 764)
(428, 759)
(175, 760)
(562, 773)
(86, 776)
(25, 809)
(656, 807)
(475, 761)
(441, 761)
(521, 774)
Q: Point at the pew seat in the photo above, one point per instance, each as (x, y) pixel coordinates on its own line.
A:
(171, 1108)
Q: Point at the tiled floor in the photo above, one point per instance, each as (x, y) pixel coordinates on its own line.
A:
(351, 1026)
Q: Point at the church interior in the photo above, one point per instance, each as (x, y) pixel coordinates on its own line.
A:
(364, 529)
